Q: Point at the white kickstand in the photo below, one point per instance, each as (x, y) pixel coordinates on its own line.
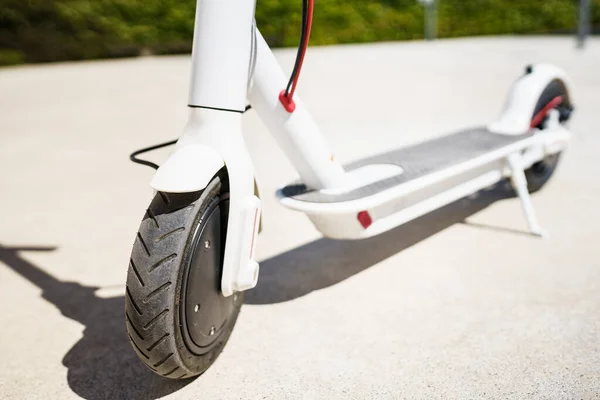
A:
(519, 183)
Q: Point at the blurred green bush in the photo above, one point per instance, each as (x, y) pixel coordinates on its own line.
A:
(55, 30)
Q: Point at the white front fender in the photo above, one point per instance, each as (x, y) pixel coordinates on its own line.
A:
(213, 140)
(189, 169)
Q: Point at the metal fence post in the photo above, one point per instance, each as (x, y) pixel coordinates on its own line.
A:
(430, 18)
(583, 29)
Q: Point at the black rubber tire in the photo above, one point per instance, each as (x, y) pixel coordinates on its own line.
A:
(539, 173)
(157, 279)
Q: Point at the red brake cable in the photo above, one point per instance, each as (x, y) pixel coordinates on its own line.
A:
(286, 95)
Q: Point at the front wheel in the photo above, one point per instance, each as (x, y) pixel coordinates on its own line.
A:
(177, 319)
(540, 172)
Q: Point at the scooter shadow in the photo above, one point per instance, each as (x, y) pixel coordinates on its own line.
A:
(102, 364)
(325, 262)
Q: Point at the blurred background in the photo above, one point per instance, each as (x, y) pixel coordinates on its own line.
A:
(58, 30)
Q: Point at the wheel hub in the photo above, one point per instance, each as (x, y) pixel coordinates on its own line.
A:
(204, 310)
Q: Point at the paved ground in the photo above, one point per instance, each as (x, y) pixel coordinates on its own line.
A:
(458, 304)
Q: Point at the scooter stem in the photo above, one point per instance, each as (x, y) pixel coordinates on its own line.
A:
(296, 133)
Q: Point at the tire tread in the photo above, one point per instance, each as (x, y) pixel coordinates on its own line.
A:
(153, 285)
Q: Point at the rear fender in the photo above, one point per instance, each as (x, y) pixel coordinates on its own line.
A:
(515, 118)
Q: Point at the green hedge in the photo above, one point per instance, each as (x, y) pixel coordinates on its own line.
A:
(55, 30)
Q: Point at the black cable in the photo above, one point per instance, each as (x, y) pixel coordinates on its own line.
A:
(133, 156)
(299, 53)
(150, 164)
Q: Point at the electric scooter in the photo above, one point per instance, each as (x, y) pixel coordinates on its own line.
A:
(194, 254)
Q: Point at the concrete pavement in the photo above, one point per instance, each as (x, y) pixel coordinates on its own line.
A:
(458, 304)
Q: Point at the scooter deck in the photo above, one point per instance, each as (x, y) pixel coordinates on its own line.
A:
(416, 161)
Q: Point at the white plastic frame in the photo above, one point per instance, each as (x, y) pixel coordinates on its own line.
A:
(212, 140)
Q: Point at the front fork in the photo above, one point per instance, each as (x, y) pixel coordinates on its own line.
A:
(222, 60)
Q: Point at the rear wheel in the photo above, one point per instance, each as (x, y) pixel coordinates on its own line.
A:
(177, 319)
(539, 173)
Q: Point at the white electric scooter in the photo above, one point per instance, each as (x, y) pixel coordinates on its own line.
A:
(194, 253)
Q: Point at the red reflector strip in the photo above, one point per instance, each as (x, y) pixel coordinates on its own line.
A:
(364, 218)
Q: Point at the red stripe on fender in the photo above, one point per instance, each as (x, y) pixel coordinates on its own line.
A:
(539, 117)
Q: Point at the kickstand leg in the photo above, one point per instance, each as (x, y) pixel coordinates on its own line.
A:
(519, 183)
